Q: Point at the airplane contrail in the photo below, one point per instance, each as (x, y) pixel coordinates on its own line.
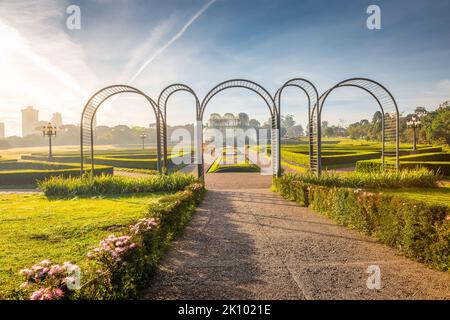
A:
(171, 41)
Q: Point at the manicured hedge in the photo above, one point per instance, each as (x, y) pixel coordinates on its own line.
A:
(368, 166)
(31, 177)
(132, 161)
(433, 156)
(107, 278)
(15, 165)
(420, 230)
(109, 184)
(331, 159)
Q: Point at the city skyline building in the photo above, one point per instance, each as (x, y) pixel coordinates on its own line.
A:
(30, 121)
(2, 130)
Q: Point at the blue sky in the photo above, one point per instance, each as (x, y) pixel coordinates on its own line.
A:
(55, 69)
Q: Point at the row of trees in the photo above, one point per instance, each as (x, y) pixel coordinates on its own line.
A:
(435, 127)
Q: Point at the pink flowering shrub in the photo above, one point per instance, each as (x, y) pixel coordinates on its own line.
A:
(121, 264)
(113, 250)
(143, 225)
(49, 281)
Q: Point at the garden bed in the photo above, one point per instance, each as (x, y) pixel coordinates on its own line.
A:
(419, 229)
(136, 230)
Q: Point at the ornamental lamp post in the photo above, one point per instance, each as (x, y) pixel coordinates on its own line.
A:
(143, 136)
(49, 130)
(414, 123)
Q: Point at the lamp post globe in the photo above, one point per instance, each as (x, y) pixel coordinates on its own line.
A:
(49, 130)
(143, 136)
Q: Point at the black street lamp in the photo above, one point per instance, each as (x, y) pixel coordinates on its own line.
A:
(49, 131)
(143, 136)
(414, 123)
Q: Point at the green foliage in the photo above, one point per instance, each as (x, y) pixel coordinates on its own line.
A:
(237, 164)
(172, 212)
(374, 180)
(102, 278)
(34, 228)
(436, 161)
(418, 229)
(108, 184)
(436, 125)
(29, 173)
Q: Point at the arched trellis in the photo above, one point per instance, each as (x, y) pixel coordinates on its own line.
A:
(90, 110)
(389, 119)
(313, 126)
(164, 96)
(268, 99)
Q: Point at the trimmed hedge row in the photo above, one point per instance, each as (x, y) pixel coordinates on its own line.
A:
(349, 157)
(31, 177)
(172, 212)
(375, 166)
(420, 230)
(15, 165)
(109, 278)
(132, 161)
(109, 184)
(433, 156)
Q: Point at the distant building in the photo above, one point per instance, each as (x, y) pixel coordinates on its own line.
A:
(227, 121)
(30, 121)
(56, 120)
(2, 130)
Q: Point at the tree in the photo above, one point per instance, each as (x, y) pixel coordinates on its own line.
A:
(244, 119)
(295, 131)
(437, 125)
(287, 121)
(254, 123)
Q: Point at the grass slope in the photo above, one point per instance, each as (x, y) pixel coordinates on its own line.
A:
(33, 228)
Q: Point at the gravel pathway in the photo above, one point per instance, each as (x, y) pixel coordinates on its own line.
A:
(252, 244)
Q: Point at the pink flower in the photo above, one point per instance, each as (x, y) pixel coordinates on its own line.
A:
(46, 262)
(58, 292)
(26, 272)
(42, 294)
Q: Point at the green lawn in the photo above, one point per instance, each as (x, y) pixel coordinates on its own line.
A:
(438, 196)
(233, 163)
(33, 228)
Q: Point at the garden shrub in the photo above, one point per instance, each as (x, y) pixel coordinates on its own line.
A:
(123, 264)
(376, 180)
(109, 184)
(371, 166)
(420, 230)
(33, 176)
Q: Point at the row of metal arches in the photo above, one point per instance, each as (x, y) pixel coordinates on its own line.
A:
(384, 99)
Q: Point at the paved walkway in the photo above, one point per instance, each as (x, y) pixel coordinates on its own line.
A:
(247, 243)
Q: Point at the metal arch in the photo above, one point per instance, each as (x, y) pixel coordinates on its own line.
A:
(163, 98)
(239, 83)
(268, 99)
(313, 127)
(388, 106)
(90, 110)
